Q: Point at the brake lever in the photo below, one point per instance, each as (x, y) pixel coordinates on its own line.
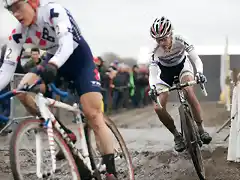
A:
(204, 91)
(153, 94)
(202, 85)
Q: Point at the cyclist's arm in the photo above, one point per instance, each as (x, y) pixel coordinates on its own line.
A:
(11, 58)
(189, 48)
(63, 28)
(154, 73)
(196, 60)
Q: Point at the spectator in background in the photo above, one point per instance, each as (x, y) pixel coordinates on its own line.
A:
(140, 83)
(132, 88)
(115, 64)
(107, 86)
(99, 62)
(126, 71)
(120, 83)
(34, 60)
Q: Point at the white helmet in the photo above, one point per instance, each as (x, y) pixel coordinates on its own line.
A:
(161, 28)
(9, 3)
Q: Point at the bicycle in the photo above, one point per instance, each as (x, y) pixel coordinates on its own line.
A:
(80, 160)
(12, 119)
(188, 125)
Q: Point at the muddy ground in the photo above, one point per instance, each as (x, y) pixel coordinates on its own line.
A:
(151, 146)
(169, 165)
(154, 157)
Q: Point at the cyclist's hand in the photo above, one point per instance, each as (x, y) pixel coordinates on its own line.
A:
(153, 93)
(47, 72)
(200, 78)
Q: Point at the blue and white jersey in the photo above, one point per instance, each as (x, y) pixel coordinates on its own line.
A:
(54, 31)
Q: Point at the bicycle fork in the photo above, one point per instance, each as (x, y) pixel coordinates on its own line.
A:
(48, 117)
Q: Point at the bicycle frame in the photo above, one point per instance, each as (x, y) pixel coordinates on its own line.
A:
(50, 122)
(181, 96)
(44, 105)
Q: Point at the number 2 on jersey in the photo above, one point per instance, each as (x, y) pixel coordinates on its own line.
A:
(9, 52)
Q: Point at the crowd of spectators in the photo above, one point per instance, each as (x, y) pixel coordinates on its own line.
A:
(123, 87)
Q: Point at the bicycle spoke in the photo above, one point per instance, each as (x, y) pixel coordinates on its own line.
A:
(26, 158)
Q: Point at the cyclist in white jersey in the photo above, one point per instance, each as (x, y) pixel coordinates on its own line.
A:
(167, 61)
(51, 27)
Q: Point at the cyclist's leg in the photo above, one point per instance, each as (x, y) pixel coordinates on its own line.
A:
(86, 81)
(168, 121)
(162, 113)
(166, 80)
(91, 101)
(185, 76)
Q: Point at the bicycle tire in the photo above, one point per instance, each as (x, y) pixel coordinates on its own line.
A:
(191, 136)
(25, 126)
(121, 142)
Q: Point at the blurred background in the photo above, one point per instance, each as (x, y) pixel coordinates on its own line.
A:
(118, 34)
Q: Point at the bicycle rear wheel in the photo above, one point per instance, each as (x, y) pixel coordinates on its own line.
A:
(192, 139)
(32, 127)
(124, 172)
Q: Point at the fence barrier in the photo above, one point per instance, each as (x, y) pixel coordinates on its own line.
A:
(234, 136)
(16, 108)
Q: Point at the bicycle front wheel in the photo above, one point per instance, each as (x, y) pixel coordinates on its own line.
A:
(192, 139)
(22, 158)
(124, 170)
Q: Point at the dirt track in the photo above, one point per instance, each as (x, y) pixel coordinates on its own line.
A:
(151, 146)
(172, 166)
(152, 151)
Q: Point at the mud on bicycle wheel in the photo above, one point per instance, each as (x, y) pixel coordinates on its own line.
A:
(191, 135)
(25, 127)
(122, 144)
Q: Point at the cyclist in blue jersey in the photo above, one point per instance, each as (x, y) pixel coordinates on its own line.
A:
(52, 28)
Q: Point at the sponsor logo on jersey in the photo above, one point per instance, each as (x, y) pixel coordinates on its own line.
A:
(96, 83)
(53, 15)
